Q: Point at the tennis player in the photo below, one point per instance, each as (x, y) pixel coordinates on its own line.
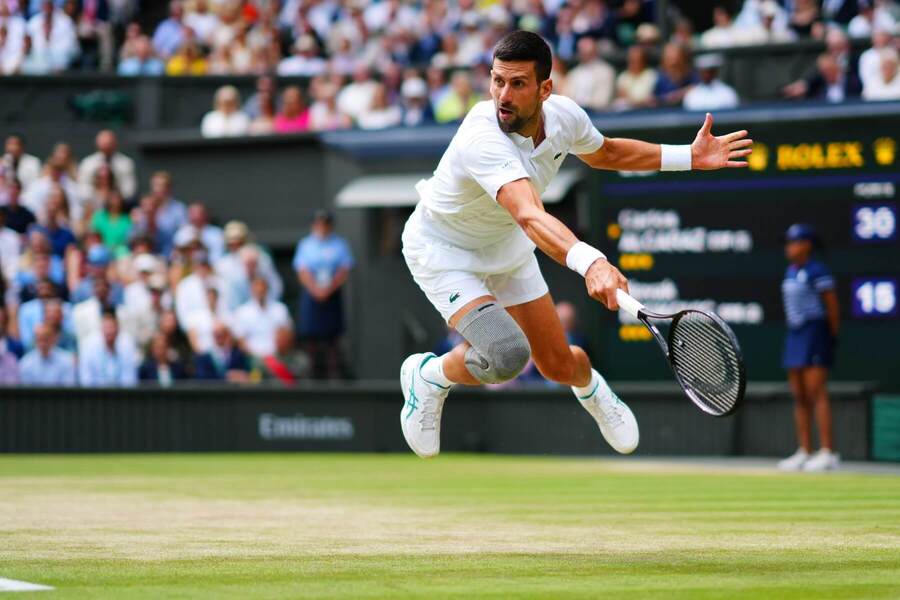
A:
(470, 242)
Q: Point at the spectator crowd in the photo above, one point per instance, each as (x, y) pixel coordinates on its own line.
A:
(107, 283)
(385, 63)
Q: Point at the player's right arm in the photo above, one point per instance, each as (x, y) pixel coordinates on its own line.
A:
(549, 234)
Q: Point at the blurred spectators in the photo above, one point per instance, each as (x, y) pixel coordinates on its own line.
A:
(190, 295)
(675, 75)
(257, 322)
(110, 358)
(380, 114)
(56, 178)
(113, 224)
(16, 160)
(53, 39)
(324, 114)
(305, 61)
(16, 217)
(47, 364)
(86, 314)
(415, 107)
(161, 365)
(294, 115)
(710, 92)
(286, 364)
(873, 15)
(232, 267)
(224, 360)
(226, 118)
(456, 103)
(768, 25)
(10, 352)
(356, 97)
(10, 249)
(188, 60)
(885, 86)
(870, 60)
(724, 32)
(322, 262)
(9, 343)
(265, 88)
(592, 83)
(143, 62)
(31, 313)
(171, 33)
(199, 229)
(832, 82)
(107, 155)
(164, 214)
(634, 86)
(804, 17)
(201, 320)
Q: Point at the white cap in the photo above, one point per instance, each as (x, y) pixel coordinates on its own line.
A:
(414, 88)
(186, 235)
(144, 263)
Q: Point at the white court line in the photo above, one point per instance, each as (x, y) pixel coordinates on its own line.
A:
(11, 585)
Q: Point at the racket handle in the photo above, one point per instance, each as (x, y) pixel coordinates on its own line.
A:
(628, 304)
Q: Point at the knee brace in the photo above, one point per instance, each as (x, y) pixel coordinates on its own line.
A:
(499, 349)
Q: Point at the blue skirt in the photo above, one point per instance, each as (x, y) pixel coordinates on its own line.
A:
(810, 345)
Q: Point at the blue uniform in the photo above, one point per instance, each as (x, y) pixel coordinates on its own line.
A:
(323, 258)
(808, 341)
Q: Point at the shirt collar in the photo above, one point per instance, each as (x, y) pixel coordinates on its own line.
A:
(551, 129)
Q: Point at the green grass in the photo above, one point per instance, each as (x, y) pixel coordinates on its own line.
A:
(361, 526)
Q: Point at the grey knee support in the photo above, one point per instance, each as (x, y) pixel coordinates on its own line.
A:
(499, 349)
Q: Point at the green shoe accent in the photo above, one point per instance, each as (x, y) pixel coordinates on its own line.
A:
(428, 357)
(590, 394)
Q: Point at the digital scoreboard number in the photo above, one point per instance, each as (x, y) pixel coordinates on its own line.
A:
(874, 297)
(874, 223)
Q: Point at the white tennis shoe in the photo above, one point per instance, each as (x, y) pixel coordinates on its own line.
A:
(615, 419)
(420, 417)
(795, 461)
(823, 460)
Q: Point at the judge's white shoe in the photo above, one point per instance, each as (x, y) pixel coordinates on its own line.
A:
(420, 417)
(823, 460)
(795, 461)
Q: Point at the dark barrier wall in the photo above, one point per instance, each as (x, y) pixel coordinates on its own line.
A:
(365, 418)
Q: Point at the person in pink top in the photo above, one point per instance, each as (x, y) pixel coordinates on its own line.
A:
(294, 115)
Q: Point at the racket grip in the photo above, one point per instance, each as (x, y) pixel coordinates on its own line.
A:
(628, 304)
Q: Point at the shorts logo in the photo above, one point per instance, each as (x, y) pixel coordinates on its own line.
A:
(557, 155)
(455, 296)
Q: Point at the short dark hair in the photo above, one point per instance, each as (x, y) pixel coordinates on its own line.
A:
(526, 46)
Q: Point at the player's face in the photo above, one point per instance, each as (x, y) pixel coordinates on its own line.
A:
(797, 251)
(517, 94)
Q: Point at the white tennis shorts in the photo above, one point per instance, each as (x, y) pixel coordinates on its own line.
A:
(452, 276)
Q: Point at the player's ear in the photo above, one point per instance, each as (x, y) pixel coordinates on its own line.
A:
(546, 89)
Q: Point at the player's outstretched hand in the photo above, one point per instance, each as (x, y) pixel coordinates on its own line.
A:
(602, 280)
(710, 152)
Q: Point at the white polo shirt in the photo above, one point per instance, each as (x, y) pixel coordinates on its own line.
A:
(459, 203)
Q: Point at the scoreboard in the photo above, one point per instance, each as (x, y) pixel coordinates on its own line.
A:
(715, 240)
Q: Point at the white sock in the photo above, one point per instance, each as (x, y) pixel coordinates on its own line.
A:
(597, 386)
(433, 371)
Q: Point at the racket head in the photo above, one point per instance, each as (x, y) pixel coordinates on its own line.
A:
(707, 361)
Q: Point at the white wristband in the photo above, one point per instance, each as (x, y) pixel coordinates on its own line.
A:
(581, 256)
(675, 158)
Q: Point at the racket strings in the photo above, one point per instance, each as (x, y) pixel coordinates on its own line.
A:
(707, 361)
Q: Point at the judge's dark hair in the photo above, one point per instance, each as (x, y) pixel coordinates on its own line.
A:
(526, 46)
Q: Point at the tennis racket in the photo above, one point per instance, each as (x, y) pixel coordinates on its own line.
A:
(703, 353)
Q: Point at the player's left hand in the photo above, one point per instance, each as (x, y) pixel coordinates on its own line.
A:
(710, 152)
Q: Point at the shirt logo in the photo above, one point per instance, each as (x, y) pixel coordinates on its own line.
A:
(506, 164)
(558, 154)
(454, 297)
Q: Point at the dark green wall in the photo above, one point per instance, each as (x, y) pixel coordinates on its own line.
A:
(364, 418)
